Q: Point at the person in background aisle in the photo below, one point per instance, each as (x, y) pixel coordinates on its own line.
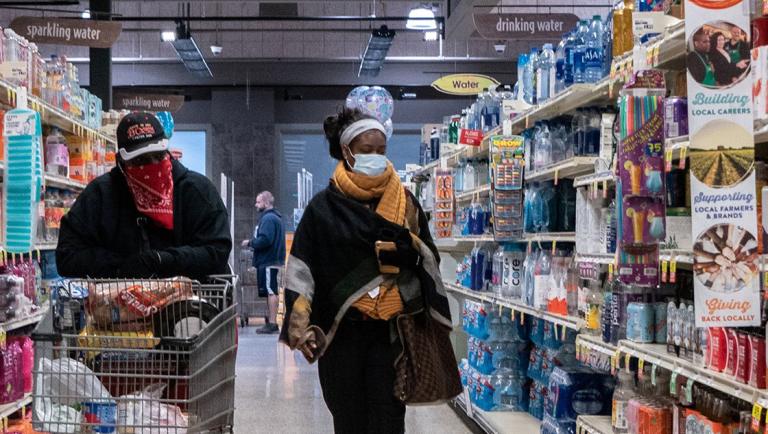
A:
(362, 255)
(727, 71)
(268, 244)
(699, 64)
(148, 217)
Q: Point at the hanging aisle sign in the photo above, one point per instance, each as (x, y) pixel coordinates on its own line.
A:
(722, 152)
(464, 84)
(67, 31)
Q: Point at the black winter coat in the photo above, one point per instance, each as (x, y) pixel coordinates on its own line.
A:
(102, 230)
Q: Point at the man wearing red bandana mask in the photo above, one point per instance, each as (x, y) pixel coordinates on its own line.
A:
(148, 217)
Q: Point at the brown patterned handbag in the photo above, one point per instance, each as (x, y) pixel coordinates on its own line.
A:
(426, 371)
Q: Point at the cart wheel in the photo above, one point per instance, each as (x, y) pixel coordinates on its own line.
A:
(184, 319)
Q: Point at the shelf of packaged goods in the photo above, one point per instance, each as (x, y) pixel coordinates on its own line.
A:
(62, 182)
(46, 246)
(548, 237)
(462, 244)
(576, 96)
(570, 168)
(12, 407)
(596, 258)
(515, 305)
(451, 160)
(50, 115)
(593, 343)
(596, 178)
(499, 422)
(593, 425)
(656, 354)
(486, 238)
(466, 196)
(679, 256)
(26, 321)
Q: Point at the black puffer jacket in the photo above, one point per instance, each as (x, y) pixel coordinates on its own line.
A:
(102, 230)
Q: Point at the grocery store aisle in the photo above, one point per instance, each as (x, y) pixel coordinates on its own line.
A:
(278, 391)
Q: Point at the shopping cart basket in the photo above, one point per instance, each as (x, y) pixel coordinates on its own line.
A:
(249, 304)
(154, 356)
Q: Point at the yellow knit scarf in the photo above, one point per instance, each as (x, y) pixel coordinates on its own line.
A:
(386, 302)
(386, 186)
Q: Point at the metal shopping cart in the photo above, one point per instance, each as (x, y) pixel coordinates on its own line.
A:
(153, 356)
(249, 304)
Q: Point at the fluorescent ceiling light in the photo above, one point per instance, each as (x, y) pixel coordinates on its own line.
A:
(430, 36)
(86, 15)
(421, 18)
(376, 52)
(168, 35)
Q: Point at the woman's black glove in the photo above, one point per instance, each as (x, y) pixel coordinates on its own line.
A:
(404, 255)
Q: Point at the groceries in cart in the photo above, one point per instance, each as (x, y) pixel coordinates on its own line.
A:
(71, 398)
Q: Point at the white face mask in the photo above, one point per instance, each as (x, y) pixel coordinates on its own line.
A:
(369, 164)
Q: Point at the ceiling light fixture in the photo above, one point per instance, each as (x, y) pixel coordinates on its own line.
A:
(86, 15)
(168, 35)
(430, 36)
(421, 18)
(376, 52)
(187, 50)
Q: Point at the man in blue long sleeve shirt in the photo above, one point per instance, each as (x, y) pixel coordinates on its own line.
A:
(268, 244)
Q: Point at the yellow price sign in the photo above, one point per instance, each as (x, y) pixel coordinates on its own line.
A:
(757, 415)
(640, 366)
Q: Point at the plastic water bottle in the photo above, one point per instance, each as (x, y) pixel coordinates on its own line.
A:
(494, 107)
(570, 45)
(544, 146)
(579, 50)
(560, 65)
(529, 79)
(482, 108)
(498, 271)
(545, 74)
(607, 44)
(522, 60)
(594, 54)
(577, 132)
(533, 60)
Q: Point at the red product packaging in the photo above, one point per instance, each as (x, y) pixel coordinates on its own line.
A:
(743, 357)
(732, 343)
(757, 365)
(718, 349)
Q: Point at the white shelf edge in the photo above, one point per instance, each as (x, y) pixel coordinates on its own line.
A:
(23, 322)
(12, 407)
(595, 343)
(500, 422)
(572, 167)
(565, 321)
(464, 196)
(587, 180)
(594, 424)
(656, 354)
(546, 237)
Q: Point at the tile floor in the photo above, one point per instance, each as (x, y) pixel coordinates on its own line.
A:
(277, 391)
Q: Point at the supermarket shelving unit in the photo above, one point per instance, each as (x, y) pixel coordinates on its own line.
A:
(667, 51)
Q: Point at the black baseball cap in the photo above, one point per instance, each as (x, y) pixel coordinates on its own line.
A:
(140, 133)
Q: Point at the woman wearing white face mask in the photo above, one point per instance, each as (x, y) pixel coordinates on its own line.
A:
(362, 260)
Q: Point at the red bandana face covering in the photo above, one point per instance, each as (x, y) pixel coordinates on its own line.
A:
(152, 188)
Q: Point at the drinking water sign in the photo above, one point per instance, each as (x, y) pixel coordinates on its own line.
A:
(492, 25)
(464, 84)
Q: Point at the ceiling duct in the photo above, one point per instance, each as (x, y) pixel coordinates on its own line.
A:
(279, 9)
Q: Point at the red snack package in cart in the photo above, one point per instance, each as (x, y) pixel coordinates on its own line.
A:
(732, 346)
(743, 357)
(717, 349)
(757, 365)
